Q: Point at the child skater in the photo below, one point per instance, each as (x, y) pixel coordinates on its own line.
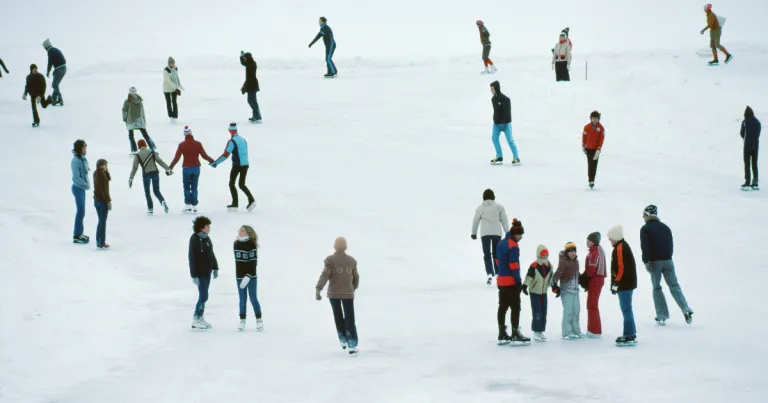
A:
(566, 286)
(537, 282)
(596, 272)
(623, 282)
(246, 258)
(340, 273)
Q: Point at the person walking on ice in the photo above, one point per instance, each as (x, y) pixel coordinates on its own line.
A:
(134, 118)
(750, 133)
(715, 27)
(561, 57)
(202, 266)
(149, 160)
(340, 273)
(246, 250)
(251, 85)
(492, 219)
(592, 138)
(58, 63)
(485, 40)
(192, 150)
(330, 46)
(623, 282)
(502, 122)
(656, 242)
(172, 89)
(237, 147)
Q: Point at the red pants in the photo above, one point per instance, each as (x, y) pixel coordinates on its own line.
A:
(593, 310)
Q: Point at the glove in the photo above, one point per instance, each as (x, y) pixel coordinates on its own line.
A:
(648, 268)
(244, 282)
(242, 53)
(556, 290)
(614, 288)
(178, 92)
(196, 281)
(597, 155)
(24, 97)
(215, 273)
(130, 183)
(317, 295)
(213, 164)
(168, 173)
(569, 67)
(703, 30)
(525, 289)
(474, 236)
(109, 206)
(584, 150)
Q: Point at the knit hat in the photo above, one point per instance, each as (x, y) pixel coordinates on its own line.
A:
(651, 211)
(570, 246)
(171, 60)
(340, 244)
(187, 131)
(708, 7)
(566, 31)
(32, 67)
(101, 162)
(517, 227)
(132, 91)
(479, 23)
(594, 238)
(142, 144)
(616, 233)
(542, 255)
(233, 127)
(47, 43)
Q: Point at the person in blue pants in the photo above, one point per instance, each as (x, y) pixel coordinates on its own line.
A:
(623, 282)
(330, 46)
(202, 266)
(58, 63)
(80, 183)
(246, 249)
(502, 122)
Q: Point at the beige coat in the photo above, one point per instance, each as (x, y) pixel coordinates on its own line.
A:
(340, 272)
(171, 81)
(538, 284)
(149, 160)
(133, 113)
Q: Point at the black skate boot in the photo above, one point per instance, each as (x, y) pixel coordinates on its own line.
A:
(626, 341)
(745, 186)
(503, 336)
(714, 62)
(497, 161)
(728, 58)
(518, 339)
(689, 317)
(755, 186)
(232, 207)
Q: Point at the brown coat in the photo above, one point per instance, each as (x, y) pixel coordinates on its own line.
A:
(340, 272)
(101, 180)
(712, 22)
(566, 269)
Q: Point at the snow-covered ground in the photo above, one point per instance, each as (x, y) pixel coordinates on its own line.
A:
(393, 155)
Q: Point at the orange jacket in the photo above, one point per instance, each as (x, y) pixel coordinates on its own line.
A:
(712, 22)
(593, 136)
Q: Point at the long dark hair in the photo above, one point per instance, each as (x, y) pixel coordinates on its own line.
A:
(749, 113)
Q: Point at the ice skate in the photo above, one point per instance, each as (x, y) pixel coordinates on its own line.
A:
(728, 58)
(251, 206)
(517, 339)
(165, 206)
(35, 124)
(259, 324)
(755, 187)
(150, 212)
(200, 324)
(102, 247)
(353, 351)
(572, 337)
(232, 207)
(241, 326)
(187, 209)
(539, 336)
(626, 341)
(486, 71)
(503, 336)
(591, 335)
(714, 62)
(497, 161)
(661, 321)
(689, 317)
(591, 185)
(493, 69)
(194, 209)
(80, 239)
(746, 186)
(516, 161)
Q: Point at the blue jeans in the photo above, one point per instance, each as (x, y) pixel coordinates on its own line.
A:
(58, 75)
(80, 203)
(154, 178)
(329, 58)
(666, 268)
(625, 302)
(507, 129)
(344, 316)
(254, 105)
(489, 251)
(250, 290)
(202, 296)
(101, 228)
(539, 308)
(190, 176)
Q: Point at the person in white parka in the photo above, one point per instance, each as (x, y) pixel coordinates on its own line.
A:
(171, 88)
(492, 219)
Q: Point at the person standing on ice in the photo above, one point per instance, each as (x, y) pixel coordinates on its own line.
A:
(561, 57)
(502, 122)
(715, 27)
(510, 285)
(536, 285)
(58, 63)
(485, 40)
(591, 143)
(246, 258)
(565, 284)
(192, 150)
(340, 273)
(330, 46)
(2, 66)
(750, 133)
(251, 85)
(596, 272)
(657, 245)
(202, 266)
(134, 118)
(149, 160)
(80, 183)
(492, 219)
(35, 88)
(172, 89)
(623, 282)
(237, 147)
(102, 201)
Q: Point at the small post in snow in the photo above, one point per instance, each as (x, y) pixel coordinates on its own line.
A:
(586, 70)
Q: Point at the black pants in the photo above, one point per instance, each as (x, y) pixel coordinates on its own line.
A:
(170, 104)
(750, 159)
(44, 104)
(242, 171)
(591, 165)
(489, 253)
(509, 298)
(144, 133)
(486, 52)
(561, 71)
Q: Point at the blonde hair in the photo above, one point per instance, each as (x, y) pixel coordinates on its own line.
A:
(251, 234)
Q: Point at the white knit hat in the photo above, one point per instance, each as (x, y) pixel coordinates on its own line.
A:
(616, 233)
(132, 91)
(187, 131)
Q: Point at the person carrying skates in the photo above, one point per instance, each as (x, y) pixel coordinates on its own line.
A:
(510, 285)
(715, 27)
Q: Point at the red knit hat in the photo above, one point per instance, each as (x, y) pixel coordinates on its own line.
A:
(142, 144)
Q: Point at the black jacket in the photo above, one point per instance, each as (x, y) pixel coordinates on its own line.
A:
(656, 241)
(251, 82)
(502, 107)
(55, 59)
(246, 258)
(201, 257)
(327, 34)
(35, 85)
(623, 267)
(750, 132)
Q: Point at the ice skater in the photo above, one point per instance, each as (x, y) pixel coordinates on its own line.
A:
(192, 150)
(246, 250)
(492, 219)
(2, 67)
(148, 159)
(102, 201)
(536, 285)
(330, 46)
(485, 40)
(58, 63)
(172, 89)
(561, 57)
(750, 133)
(592, 138)
(566, 286)
(251, 85)
(35, 88)
(237, 147)
(340, 273)
(510, 285)
(623, 282)
(596, 272)
(502, 122)
(80, 183)
(135, 119)
(715, 27)
(202, 266)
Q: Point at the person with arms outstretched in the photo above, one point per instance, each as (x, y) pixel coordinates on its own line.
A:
(237, 147)
(58, 63)
(330, 46)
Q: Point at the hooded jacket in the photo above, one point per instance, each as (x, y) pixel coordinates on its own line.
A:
(491, 217)
(133, 112)
(148, 159)
(251, 81)
(750, 132)
(623, 267)
(192, 150)
(502, 107)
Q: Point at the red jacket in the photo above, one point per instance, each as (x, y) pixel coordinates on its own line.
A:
(591, 266)
(593, 136)
(192, 150)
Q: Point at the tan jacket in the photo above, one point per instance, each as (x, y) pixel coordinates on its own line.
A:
(340, 272)
(712, 22)
(148, 160)
(536, 282)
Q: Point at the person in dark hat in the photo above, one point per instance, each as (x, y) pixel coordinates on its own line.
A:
(35, 88)
(251, 85)
(502, 122)
(596, 271)
(561, 57)
(510, 285)
(750, 133)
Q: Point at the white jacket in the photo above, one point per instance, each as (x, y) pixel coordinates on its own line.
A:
(493, 218)
(171, 80)
(562, 50)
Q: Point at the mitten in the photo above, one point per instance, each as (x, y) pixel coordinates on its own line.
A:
(168, 172)
(584, 149)
(109, 206)
(130, 183)
(196, 281)
(648, 268)
(556, 290)
(474, 236)
(24, 97)
(525, 289)
(597, 155)
(215, 273)
(317, 295)
(614, 288)
(244, 282)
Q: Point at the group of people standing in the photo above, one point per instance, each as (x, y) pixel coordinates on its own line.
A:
(501, 257)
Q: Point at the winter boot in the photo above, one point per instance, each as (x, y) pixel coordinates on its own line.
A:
(503, 336)
(626, 341)
(728, 58)
(661, 321)
(165, 206)
(714, 62)
(150, 212)
(232, 207)
(497, 161)
(241, 326)
(688, 317)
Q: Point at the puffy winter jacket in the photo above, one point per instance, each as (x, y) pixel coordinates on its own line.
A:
(491, 218)
(133, 113)
(623, 267)
(237, 147)
(508, 261)
(750, 132)
(567, 274)
(656, 241)
(202, 260)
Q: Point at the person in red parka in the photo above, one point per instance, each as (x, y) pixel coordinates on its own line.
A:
(591, 143)
(596, 271)
(192, 150)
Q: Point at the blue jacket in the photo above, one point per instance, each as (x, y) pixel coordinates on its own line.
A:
(750, 132)
(55, 59)
(656, 241)
(508, 261)
(80, 170)
(237, 147)
(327, 34)
(201, 257)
